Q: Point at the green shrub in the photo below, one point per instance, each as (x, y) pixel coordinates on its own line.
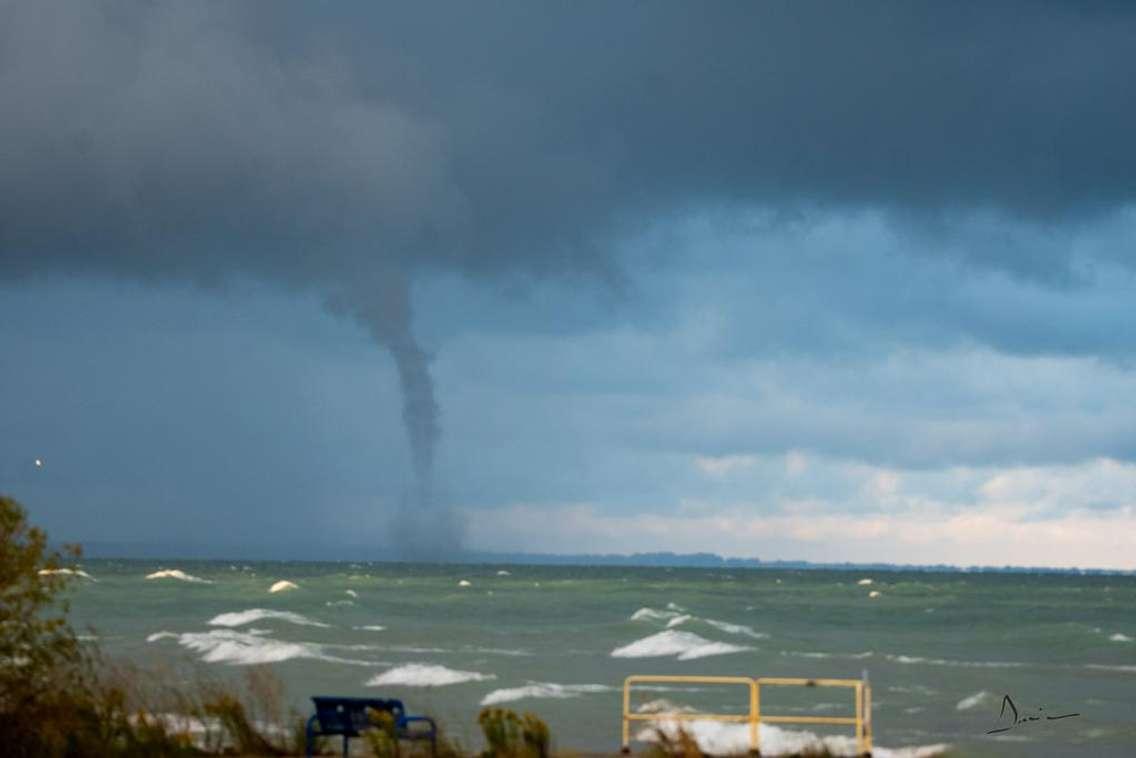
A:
(508, 735)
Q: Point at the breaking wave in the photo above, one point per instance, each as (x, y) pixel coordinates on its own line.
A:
(244, 649)
(177, 574)
(67, 572)
(686, 646)
(426, 675)
(741, 629)
(972, 701)
(675, 615)
(542, 690)
(240, 618)
(650, 614)
(282, 586)
(717, 738)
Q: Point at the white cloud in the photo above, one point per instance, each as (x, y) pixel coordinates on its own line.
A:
(1011, 518)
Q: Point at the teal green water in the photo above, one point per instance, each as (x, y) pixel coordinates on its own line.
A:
(931, 644)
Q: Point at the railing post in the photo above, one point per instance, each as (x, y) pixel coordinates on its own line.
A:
(755, 717)
(868, 719)
(860, 717)
(626, 746)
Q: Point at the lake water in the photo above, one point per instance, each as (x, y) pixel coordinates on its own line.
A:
(940, 649)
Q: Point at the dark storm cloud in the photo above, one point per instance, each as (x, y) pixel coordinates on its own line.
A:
(342, 149)
(308, 144)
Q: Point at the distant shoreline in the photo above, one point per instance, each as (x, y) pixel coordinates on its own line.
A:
(97, 550)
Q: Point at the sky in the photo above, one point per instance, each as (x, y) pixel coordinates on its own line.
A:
(813, 281)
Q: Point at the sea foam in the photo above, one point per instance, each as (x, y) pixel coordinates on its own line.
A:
(1105, 667)
(542, 690)
(686, 646)
(240, 618)
(177, 574)
(913, 659)
(425, 675)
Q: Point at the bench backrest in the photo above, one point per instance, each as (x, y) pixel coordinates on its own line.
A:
(348, 715)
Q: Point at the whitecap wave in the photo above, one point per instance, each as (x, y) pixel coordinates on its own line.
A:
(972, 701)
(177, 574)
(502, 572)
(372, 628)
(686, 646)
(242, 649)
(282, 586)
(240, 618)
(1118, 637)
(864, 582)
(717, 738)
(542, 690)
(66, 572)
(650, 614)
(425, 675)
(741, 629)
(675, 618)
(351, 593)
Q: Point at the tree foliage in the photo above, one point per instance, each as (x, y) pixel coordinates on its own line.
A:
(40, 655)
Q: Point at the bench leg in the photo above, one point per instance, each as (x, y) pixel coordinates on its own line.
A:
(309, 737)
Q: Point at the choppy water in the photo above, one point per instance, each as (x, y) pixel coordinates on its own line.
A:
(940, 649)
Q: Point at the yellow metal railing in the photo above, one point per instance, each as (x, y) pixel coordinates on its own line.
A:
(862, 691)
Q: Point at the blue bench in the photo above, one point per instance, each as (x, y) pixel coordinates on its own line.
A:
(348, 717)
